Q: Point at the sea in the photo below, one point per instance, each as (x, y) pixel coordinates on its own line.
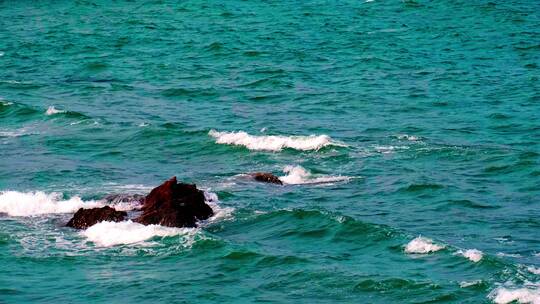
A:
(406, 134)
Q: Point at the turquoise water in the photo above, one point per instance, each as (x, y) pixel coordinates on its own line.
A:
(428, 114)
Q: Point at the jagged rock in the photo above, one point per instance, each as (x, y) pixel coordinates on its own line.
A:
(174, 204)
(266, 178)
(85, 218)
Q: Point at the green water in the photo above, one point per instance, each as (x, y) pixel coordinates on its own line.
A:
(431, 111)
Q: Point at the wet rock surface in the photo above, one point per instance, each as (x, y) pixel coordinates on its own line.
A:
(85, 218)
(174, 204)
(265, 177)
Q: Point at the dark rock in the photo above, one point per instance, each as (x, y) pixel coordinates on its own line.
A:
(85, 218)
(174, 204)
(266, 178)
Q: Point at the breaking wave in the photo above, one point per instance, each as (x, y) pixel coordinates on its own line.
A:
(296, 175)
(52, 110)
(14, 203)
(422, 245)
(527, 294)
(110, 233)
(473, 255)
(273, 142)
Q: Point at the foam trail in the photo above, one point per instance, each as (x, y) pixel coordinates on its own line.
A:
(471, 254)
(52, 110)
(422, 245)
(16, 203)
(111, 233)
(530, 294)
(296, 175)
(273, 142)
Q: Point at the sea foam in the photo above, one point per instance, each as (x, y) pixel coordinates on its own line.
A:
(273, 142)
(110, 233)
(52, 110)
(422, 245)
(296, 175)
(471, 254)
(16, 203)
(529, 294)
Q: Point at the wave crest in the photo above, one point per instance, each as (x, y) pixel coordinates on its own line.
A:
(111, 233)
(422, 245)
(273, 142)
(296, 175)
(15, 203)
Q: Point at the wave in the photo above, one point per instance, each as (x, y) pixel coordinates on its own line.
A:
(422, 245)
(527, 294)
(111, 233)
(16, 133)
(472, 254)
(273, 142)
(296, 175)
(14, 203)
(52, 110)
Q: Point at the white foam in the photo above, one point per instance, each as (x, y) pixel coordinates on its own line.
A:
(534, 270)
(296, 175)
(407, 137)
(472, 254)
(111, 233)
(529, 294)
(422, 245)
(389, 149)
(52, 110)
(13, 133)
(273, 142)
(465, 284)
(16, 203)
(220, 212)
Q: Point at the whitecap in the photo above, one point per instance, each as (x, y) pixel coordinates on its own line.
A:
(528, 294)
(422, 245)
(115, 233)
(273, 142)
(534, 270)
(471, 254)
(465, 284)
(16, 203)
(296, 175)
(407, 137)
(52, 110)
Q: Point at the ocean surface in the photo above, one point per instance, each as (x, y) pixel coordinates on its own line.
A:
(407, 135)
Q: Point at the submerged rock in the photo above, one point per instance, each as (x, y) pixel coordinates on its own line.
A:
(174, 204)
(266, 178)
(124, 198)
(85, 218)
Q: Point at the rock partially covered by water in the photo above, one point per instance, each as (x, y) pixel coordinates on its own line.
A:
(266, 178)
(124, 198)
(85, 218)
(174, 204)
